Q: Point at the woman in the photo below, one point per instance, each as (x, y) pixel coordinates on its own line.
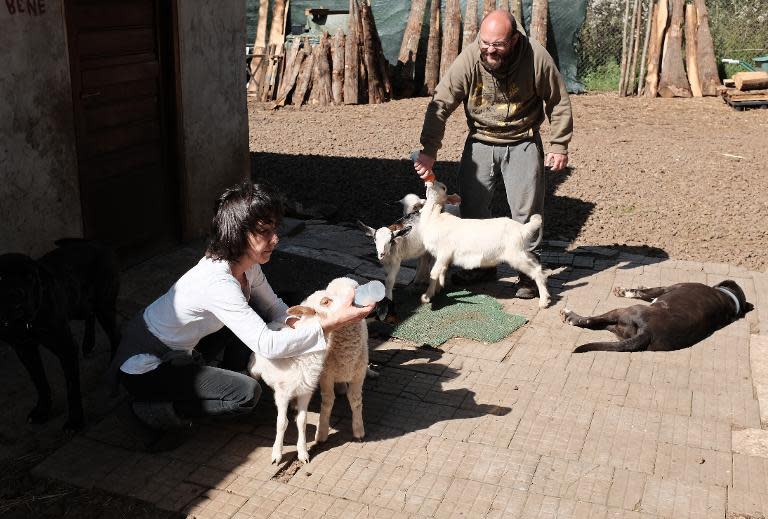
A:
(160, 360)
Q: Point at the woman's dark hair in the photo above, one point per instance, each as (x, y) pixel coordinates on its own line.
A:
(240, 209)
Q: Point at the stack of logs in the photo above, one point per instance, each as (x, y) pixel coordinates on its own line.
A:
(446, 39)
(671, 71)
(344, 69)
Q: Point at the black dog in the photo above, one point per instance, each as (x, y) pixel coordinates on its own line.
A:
(679, 316)
(77, 280)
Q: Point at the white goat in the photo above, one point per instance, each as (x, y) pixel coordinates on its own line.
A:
(402, 241)
(344, 360)
(471, 243)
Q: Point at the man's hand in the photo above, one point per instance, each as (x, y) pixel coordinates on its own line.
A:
(556, 161)
(423, 166)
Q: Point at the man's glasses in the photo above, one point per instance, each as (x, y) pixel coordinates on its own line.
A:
(497, 45)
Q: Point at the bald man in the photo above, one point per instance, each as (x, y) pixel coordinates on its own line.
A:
(508, 83)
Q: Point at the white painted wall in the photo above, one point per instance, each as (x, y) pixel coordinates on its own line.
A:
(39, 192)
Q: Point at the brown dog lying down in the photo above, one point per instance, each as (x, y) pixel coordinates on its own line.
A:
(679, 316)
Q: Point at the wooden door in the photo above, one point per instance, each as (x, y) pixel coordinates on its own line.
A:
(121, 58)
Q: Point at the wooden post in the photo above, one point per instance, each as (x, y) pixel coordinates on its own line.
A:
(362, 78)
(277, 29)
(658, 30)
(381, 61)
(624, 50)
(375, 88)
(539, 11)
(305, 77)
(322, 92)
(351, 58)
(488, 6)
(259, 48)
(691, 64)
(705, 52)
(503, 5)
(451, 35)
(410, 45)
(337, 53)
(292, 75)
(649, 14)
(673, 81)
(516, 8)
(470, 23)
(635, 48)
(432, 67)
(290, 61)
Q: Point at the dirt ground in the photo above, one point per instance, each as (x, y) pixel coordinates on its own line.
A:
(679, 178)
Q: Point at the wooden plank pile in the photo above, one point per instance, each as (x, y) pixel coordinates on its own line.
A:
(343, 69)
(746, 90)
(678, 56)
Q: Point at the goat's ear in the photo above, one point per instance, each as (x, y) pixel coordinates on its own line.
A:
(454, 199)
(369, 231)
(300, 311)
(402, 232)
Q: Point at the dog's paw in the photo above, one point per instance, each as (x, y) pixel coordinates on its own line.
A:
(620, 291)
(565, 316)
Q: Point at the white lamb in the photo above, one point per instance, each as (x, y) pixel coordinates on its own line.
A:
(344, 360)
(471, 243)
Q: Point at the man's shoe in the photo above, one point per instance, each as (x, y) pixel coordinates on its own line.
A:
(526, 288)
(473, 276)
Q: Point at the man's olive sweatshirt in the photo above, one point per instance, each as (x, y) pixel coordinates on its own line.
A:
(505, 106)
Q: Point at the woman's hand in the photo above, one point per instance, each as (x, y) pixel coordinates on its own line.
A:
(345, 313)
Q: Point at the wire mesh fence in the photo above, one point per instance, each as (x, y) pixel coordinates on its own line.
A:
(739, 31)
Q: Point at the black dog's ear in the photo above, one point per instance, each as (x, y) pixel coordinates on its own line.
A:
(402, 232)
(369, 231)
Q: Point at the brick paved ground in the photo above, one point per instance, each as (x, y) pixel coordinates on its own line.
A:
(521, 428)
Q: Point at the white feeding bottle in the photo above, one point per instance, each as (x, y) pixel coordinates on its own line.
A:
(369, 293)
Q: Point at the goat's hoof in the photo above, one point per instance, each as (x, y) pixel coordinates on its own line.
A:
(276, 456)
(320, 438)
(304, 457)
(425, 298)
(544, 302)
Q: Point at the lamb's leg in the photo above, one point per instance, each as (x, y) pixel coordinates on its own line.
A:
(281, 401)
(436, 278)
(355, 397)
(526, 263)
(328, 396)
(302, 402)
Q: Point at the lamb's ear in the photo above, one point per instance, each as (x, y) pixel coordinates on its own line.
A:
(454, 199)
(369, 231)
(402, 232)
(300, 311)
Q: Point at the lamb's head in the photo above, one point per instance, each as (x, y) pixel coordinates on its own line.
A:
(324, 302)
(385, 237)
(437, 192)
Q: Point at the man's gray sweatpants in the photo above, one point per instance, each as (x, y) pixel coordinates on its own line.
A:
(520, 165)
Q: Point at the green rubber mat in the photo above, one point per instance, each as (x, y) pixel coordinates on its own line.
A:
(453, 314)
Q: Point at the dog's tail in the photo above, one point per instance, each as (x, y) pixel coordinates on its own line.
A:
(637, 342)
(529, 230)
